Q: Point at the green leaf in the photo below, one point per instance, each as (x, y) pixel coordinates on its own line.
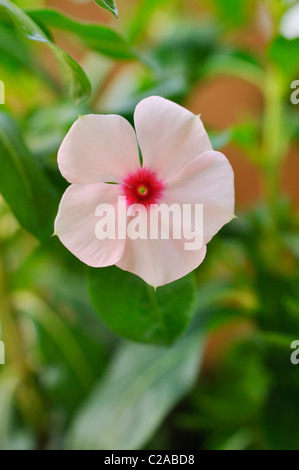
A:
(97, 37)
(14, 49)
(132, 309)
(108, 5)
(76, 82)
(23, 183)
(139, 389)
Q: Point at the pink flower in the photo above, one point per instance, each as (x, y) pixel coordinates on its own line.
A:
(179, 166)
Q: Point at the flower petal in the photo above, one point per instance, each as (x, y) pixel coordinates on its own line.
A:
(98, 149)
(207, 180)
(158, 261)
(76, 222)
(169, 136)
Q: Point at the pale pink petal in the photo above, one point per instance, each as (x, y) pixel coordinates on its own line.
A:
(169, 135)
(159, 262)
(207, 180)
(98, 149)
(76, 222)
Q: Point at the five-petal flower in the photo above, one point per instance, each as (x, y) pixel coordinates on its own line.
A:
(179, 166)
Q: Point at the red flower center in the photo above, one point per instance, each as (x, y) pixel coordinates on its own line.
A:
(142, 187)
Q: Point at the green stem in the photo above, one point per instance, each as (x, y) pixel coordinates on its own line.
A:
(272, 143)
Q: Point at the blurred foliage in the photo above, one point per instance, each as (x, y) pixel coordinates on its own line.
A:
(70, 382)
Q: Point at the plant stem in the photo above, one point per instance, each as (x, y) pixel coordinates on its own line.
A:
(272, 147)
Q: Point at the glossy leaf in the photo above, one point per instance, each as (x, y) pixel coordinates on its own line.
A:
(138, 312)
(76, 82)
(97, 37)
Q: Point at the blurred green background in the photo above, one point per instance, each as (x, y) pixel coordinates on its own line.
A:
(81, 370)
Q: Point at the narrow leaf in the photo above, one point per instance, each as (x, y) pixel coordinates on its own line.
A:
(74, 77)
(97, 37)
(108, 5)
